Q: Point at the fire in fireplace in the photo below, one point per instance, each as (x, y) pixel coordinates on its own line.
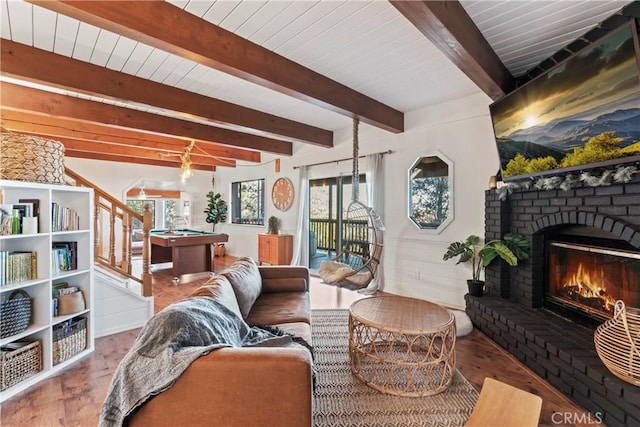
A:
(590, 279)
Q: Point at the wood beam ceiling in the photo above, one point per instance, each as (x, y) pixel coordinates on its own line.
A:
(20, 98)
(152, 192)
(50, 127)
(448, 26)
(28, 63)
(123, 150)
(195, 39)
(137, 160)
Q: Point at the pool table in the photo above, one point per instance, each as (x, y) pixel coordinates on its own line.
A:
(189, 250)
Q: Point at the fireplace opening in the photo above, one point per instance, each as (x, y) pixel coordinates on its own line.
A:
(586, 279)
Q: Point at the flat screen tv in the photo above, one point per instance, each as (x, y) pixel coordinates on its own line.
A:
(582, 113)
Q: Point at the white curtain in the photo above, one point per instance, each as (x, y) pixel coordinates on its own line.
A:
(301, 239)
(375, 197)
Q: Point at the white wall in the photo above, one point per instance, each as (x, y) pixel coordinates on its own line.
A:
(117, 178)
(460, 129)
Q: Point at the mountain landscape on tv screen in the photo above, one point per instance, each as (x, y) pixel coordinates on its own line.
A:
(560, 137)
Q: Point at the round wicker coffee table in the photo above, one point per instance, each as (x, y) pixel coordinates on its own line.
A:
(402, 346)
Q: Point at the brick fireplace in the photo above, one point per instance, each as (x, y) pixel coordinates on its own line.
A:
(551, 333)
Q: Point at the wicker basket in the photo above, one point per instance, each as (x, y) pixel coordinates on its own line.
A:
(69, 339)
(617, 341)
(15, 313)
(30, 158)
(19, 364)
(71, 303)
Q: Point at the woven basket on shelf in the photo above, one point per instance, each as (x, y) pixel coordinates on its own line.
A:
(15, 313)
(71, 303)
(19, 364)
(617, 341)
(30, 158)
(69, 340)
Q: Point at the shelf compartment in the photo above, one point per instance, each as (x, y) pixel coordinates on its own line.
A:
(69, 339)
(34, 328)
(18, 364)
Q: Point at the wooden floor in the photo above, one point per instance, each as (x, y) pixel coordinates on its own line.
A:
(74, 396)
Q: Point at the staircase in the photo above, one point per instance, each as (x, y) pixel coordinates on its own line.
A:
(123, 292)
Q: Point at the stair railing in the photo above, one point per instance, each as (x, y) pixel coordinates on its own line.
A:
(113, 220)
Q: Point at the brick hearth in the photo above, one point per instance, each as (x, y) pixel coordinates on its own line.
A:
(513, 313)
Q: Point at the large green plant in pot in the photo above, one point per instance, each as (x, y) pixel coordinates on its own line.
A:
(216, 209)
(512, 248)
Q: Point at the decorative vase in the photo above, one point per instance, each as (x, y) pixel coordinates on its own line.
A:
(476, 287)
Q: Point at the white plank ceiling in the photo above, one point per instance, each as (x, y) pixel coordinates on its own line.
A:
(366, 45)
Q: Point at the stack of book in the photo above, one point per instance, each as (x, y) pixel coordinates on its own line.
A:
(17, 267)
(64, 257)
(63, 219)
(12, 216)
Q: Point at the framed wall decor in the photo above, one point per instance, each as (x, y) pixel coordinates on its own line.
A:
(282, 194)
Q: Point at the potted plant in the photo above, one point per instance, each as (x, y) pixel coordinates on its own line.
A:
(272, 225)
(216, 209)
(512, 248)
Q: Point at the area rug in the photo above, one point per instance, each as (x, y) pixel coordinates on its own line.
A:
(341, 400)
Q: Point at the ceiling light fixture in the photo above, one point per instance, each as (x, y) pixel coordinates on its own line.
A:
(185, 168)
(142, 195)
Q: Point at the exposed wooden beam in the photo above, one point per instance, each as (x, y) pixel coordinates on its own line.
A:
(195, 39)
(34, 124)
(448, 26)
(39, 66)
(136, 160)
(20, 98)
(144, 153)
(154, 192)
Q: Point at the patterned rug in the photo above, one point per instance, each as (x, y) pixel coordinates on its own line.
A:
(341, 400)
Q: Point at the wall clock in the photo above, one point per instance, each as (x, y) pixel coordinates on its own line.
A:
(282, 194)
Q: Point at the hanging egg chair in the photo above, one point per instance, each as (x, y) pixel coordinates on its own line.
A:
(354, 267)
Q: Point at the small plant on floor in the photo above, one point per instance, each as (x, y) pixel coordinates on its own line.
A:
(512, 248)
(273, 225)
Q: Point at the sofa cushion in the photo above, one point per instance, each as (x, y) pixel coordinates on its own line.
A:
(246, 282)
(297, 329)
(280, 307)
(220, 289)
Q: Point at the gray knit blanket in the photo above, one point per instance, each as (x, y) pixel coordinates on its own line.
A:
(166, 346)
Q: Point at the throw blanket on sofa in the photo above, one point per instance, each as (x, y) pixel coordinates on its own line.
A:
(168, 344)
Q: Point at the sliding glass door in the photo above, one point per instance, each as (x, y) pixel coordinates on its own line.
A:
(329, 199)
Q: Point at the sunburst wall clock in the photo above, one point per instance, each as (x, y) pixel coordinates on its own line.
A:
(282, 194)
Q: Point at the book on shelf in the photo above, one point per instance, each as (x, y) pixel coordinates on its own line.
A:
(18, 267)
(12, 215)
(64, 256)
(35, 205)
(63, 219)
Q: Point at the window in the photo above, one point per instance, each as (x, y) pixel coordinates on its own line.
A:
(430, 192)
(137, 205)
(170, 213)
(163, 212)
(247, 202)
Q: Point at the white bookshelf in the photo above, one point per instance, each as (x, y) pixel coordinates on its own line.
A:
(43, 321)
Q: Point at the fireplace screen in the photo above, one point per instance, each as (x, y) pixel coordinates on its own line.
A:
(591, 279)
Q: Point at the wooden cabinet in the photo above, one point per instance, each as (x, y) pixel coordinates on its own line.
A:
(275, 249)
(65, 220)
